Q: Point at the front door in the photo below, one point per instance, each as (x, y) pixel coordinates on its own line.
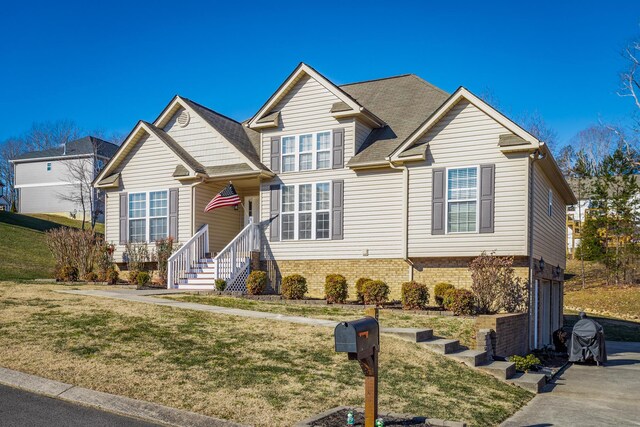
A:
(251, 209)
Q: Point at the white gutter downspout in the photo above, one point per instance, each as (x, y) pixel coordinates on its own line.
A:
(405, 215)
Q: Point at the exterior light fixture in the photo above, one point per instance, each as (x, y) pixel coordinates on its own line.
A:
(541, 264)
(558, 270)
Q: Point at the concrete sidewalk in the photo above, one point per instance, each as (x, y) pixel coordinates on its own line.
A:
(586, 395)
(144, 297)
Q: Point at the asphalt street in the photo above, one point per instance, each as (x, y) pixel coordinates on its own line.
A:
(19, 408)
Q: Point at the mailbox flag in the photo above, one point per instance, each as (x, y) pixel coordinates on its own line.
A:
(227, 197)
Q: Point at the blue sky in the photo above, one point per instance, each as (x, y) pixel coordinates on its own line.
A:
(106, 65)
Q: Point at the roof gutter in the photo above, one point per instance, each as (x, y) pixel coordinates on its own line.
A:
(40, 159)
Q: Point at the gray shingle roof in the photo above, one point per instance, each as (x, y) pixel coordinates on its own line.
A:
(246, 140)
(403, 102)
(110, 180)
(176, 148)
(214, 171)
(82, 146)
(510, 140)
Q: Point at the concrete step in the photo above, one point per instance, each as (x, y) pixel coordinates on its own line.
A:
(529, 381)
(191, 287)
(441, 345)
(200, 275)
(411, 334)
(499, 369)
(470, 357)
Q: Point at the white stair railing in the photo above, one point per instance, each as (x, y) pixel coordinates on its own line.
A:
(185, 258)
(234, 257)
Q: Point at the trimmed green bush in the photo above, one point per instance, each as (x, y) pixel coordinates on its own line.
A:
(112, 276)
(524, 363)
(256, 282)
(462, 302)
(440, 290)
(221, 285)
(335, 289)
(376, 292)
(143, 278)
(415, 296)
(360, 283)
(294, 287)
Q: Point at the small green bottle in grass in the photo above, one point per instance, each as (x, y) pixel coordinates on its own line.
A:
(350, 419)
(379, 422)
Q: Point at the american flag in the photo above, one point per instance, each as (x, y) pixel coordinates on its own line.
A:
(227, 197)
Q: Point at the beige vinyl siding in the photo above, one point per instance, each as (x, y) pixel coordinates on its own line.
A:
(148, 167)
(224, 223)
(362, 132)
(372, 200)
(306, 108)
(466, 136)
(549, 232)
(201, 141)
(372, 218)
(36, 172)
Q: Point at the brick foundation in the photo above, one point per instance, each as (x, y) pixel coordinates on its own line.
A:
(510, 332)
(392, 271)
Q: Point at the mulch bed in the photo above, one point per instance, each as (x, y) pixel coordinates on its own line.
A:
(339, 419)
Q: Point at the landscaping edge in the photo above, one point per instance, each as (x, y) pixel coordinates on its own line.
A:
(308, 422)
(120, 405)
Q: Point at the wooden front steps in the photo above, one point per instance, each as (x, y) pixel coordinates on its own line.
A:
(505, 371)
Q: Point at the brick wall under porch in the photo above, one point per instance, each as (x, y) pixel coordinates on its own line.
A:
(392, 271)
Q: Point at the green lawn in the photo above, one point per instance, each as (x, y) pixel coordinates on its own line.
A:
(23, 252)
(252, 371)
(460, 328)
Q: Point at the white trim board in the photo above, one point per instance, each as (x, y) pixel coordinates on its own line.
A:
(46, 184)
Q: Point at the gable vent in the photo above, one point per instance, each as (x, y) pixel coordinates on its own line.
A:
(183, 118)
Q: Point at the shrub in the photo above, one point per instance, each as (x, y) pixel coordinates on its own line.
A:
(376, 292)
(132, 276)
(256, 282)
(447, 298)
(336, 289)
(524, 363)
(221, 285)
(73, 248)
(91, 277)
(294, 287)
(440, 290)
(67, 273)
(462, 302)
(164, 250)
(415, 296)
(136, 256)
(112, 276)
(104, 258)
(143, 278)
(360, 283)
(495, 285)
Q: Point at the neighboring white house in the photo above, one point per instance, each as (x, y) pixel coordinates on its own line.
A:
(44, 180)
(392, 179)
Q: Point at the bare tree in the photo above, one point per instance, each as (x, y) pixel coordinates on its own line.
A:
(535, 124)
(630, 80)
(9, 149)
(80, 172)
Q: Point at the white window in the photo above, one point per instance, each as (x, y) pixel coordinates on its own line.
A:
(549, 202)
(306, 152)
(288, 154)
(148, 216)
(462, 200)
(48, 167)
(306, 211)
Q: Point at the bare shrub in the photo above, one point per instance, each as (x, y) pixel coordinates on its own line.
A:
(73, 248)
(495, 285)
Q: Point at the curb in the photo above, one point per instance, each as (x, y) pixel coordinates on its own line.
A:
(120, 405)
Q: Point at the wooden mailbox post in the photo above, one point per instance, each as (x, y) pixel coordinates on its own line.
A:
(360, 339)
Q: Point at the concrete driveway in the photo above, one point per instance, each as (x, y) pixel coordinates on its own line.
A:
(590, 395)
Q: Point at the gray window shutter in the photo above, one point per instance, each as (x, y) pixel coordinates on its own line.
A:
(337, 154)
(337, 210)
(438, 221)
(124, 216)
(274, 228)
(487, 198)
(275, 154)
(173, 213)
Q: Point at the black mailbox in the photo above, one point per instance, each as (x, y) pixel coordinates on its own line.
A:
(359, 337)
